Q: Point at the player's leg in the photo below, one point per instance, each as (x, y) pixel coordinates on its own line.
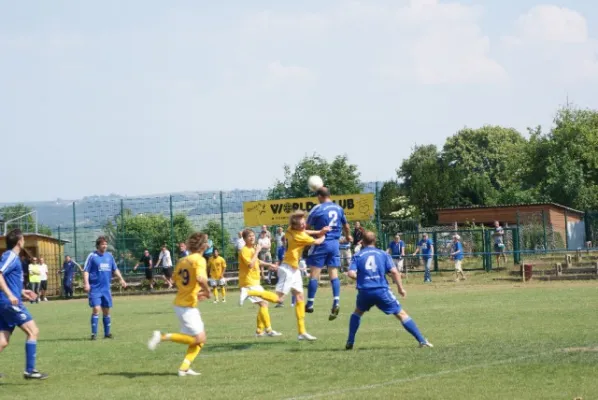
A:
(32, 332)
(214, 287)
(294, 284)
(412, 328)
(222, 285)
(427, 272)
(316, 259)
(354, 323)
(95, 303)
(333, 261)
(265, 317)
(5, 332)
(106, 304)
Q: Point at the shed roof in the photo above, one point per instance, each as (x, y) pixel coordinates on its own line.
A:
(521, 205)
(44, 237)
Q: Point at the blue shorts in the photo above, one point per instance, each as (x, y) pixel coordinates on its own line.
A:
(102, 299)
(325, 255)
(13, 316)
(383, 298)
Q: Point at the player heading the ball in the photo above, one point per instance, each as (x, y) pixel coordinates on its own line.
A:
(369, 267)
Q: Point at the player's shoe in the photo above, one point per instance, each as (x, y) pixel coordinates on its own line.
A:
(273, 333)
(243, 296)
(306, 336)
(154, 340)
(260, 335)
(93, 337)
(109, 336)
(279, 305)
(224, 301)
(189, 372)
(309, 310)
(35, 374)
(215, 301)
(334, 313)
(349, 346)
(426, 344)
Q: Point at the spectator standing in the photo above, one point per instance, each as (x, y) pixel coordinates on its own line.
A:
(183, 252)
(358, 232)
(68, 271)
(499, 244)
(240, 243)
(43, 276)
(146, 260)
(265, 229)
(166, 261)
(396, 249)
(457, 256)
(209, 251)
(25, 264)
(345, 250)
(34, 278)
(264, 255)
(426, 248)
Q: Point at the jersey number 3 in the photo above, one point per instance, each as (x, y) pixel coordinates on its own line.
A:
(184, 276)
(370, 263)
(333, 215)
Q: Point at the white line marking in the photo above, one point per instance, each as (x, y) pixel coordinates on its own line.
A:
(418, 377)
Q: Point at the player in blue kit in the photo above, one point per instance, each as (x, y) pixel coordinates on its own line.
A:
(97, 275)
(12, 311)
(68, 269)
(327, 254)
(369, 268)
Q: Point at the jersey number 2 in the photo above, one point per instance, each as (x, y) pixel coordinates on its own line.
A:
(333, 215)
(370, 263)
(185, 276)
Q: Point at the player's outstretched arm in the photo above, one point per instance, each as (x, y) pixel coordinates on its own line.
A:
(4, 287)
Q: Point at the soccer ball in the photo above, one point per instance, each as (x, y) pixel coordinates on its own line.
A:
(314, 183)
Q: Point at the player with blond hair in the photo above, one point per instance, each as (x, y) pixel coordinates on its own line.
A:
(289, 275)
(217, 266)
(249, 280)
(191, 280)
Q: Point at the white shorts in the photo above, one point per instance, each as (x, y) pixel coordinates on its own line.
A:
(289, 278)
(190, 320)
(398, 264)
(458, 267)
(254, 299)
(217, 282)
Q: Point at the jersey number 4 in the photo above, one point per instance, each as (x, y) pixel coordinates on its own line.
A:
(370, 263)
(184, 276)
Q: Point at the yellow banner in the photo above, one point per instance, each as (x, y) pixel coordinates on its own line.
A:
(357, 207)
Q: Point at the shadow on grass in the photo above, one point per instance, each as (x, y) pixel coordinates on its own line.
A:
(239, 346)
(338, 350)
(78, 339)
(140, 374)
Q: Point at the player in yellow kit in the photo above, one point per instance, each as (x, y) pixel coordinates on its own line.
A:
(217, 266)
(289, 275)
(249, 279)
(191, 280)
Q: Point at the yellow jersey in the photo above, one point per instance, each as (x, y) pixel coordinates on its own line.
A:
(187, 273)
(217, 267)
(296, 242)
(249, 275)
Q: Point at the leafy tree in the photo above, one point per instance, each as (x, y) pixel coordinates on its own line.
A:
(214, 231)
(26, 224)
(388, 193)
(339, 176)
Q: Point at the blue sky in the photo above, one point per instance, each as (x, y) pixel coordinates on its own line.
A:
(140, 97)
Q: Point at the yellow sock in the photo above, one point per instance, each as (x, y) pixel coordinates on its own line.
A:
(192, 352)
(300, 314)
(178, 338)
(268, 296)
(216, 293)
(266, 318)
(223, 293)
(260, 321)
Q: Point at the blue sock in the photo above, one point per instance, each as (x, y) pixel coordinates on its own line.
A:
(106, 321)
(293, 300)
(94, 324)
(353, 327)
(336, 291)
(312, 288)
(30, 355)
(410, 327)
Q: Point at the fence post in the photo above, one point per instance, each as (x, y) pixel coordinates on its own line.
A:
(171, 227)
(75, 229)
(435, 243)
(566, 232)
(377, 209)
(122, 235)
(544, 227)
(223, 245)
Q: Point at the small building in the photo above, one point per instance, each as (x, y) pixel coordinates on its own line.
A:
(48, 248)
(569, 223)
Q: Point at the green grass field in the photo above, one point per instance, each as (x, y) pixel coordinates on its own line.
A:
(493, 340)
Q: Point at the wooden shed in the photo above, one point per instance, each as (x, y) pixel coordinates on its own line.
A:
(48, 248)
(567, 221)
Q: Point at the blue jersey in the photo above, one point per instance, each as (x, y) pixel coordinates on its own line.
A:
(426, 248)
(210, 249)
(183, 254)
(12, 272)
(100, 268)
(280, 253)
(371, 265)
(396, 249)
(458, 247)
(69, 270)
(328, 214)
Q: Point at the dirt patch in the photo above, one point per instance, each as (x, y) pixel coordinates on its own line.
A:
(581, 350)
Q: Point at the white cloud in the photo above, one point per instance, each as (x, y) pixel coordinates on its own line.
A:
(279, 71)
(421, 41)
(553, 43)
